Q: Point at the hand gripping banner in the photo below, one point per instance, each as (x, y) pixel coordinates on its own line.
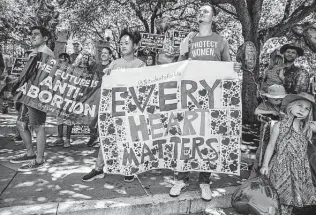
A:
(184, 116)
(59, 89)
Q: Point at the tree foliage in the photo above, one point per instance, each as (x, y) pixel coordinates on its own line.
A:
(237, 20)
(18, 16)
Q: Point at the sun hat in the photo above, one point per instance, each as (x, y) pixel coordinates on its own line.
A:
(299, 50)
(301, 96)
(275, 91)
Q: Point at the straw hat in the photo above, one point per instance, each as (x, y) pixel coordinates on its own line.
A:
(275, 91)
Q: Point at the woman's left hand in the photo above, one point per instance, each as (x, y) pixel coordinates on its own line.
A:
(237, 67)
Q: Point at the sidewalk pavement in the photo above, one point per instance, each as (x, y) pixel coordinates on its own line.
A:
(58, 189)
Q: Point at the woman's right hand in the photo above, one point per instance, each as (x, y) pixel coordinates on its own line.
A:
(264, 170)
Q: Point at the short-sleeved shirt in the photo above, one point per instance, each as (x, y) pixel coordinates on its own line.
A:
(296, 80)
(209, 48)
(123, 64)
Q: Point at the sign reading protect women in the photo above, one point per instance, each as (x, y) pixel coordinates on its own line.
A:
(184, 116)
(58, 89)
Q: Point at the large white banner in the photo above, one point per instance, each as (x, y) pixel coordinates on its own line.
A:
(184, 116)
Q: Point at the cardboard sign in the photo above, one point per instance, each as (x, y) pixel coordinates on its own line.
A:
(178, 36)
(152, 40)
(80, 130)
(18, 66)
(59, 89)
(182, 116)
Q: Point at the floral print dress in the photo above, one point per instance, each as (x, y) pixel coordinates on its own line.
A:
(290, 171)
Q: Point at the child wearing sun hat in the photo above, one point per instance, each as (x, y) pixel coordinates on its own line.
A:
(268, 113)
(271, 105)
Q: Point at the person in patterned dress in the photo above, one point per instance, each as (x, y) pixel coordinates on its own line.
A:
(285, 161)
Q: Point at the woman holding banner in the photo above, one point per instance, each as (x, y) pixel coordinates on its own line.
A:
(208, 46)
(129, 42)
(97, 71)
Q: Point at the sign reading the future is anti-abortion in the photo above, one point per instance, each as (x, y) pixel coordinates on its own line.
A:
(184, 116)
(59, 89)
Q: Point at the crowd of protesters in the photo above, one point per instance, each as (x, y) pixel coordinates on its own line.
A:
(286, 111)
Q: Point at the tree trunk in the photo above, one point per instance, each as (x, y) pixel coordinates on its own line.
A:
(249, 88)
(249, 95)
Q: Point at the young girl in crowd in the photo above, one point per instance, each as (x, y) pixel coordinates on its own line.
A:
(271, 75)
(129, 41)
(268, 112)
(289, 168)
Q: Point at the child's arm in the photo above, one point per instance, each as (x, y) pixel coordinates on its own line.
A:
(263, 118)
(270, 149)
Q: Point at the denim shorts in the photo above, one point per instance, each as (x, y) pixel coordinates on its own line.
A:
(36, 117)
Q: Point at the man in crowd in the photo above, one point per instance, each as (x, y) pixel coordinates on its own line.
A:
(295, 80)
(77, 49)
(37, 118)
(129, 43)
(209, 46)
